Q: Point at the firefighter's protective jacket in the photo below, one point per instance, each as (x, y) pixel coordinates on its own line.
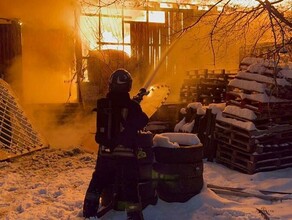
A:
(119, 118)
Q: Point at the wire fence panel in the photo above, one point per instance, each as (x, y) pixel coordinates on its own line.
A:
(17, 134)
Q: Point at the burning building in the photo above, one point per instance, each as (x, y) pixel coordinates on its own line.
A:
(68, 43)
(57, 54)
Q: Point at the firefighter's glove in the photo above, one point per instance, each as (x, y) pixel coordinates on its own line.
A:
(139, 97)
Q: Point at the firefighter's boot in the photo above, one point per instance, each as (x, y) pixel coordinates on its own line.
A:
(91, 204)
(134, 212)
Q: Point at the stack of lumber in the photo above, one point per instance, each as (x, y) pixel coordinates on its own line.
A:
(254, 132)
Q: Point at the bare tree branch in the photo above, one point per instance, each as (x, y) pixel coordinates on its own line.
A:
(213, 30)
(202, 16)
(272, 10)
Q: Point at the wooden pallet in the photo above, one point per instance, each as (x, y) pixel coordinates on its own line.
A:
(252, 162)
(265, 108)
(264, 120)
(205, 86)
(273, 147)
(190, 81)
(229, 127)
(239, 142)
(246, 140)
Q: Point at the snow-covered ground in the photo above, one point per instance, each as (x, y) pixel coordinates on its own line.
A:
(50, 184)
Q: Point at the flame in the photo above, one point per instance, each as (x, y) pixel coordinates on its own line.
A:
(203, 7)
(165, 5)
(203, 3)
(109, 37)
(157, 17)
(88, 31)
(111, 28)
(253, 3)
(111, 24)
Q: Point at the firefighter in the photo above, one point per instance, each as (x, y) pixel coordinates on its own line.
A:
(119, 118)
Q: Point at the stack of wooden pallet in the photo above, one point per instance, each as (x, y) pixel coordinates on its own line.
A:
(254, 132)
(205, 86)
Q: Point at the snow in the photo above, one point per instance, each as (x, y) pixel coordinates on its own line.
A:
(248, 85)
(187, 127)
(163, 141)
(198, 106)
(51, 183)
(173, 139)
(257, 76)
(240, 112)
(260, 97)
(262, 78)
(251, 60)
(217, 107)
(247, 125)
(257, 68)
(257, 63)
(287, 73)
(195, 105)
(179, 125)
(183, 111)
(184, 126)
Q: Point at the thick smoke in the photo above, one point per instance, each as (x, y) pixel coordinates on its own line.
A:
(47, 67)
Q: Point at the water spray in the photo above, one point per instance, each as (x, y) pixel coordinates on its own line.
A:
(155, 71)
(145, 89)
(151, 77)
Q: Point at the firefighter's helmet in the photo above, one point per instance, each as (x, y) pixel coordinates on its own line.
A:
(120, 81)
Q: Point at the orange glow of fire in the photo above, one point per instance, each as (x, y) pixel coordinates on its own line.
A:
(88, 31)
(112, 25)
(253, 3)
(245, 3)
(111, 31)
(202, 3)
